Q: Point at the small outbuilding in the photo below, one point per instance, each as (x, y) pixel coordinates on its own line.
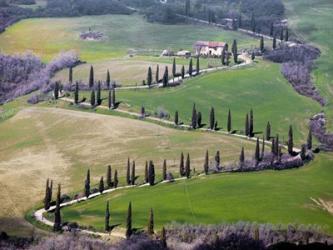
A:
(207, 48)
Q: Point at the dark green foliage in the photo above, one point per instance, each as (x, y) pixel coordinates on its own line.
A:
(253, 23)
(101, 185)
(56, 90)
(151, 173)
(87, 184)
(277, 145)
(212, 119)
(163, 238)
(247, 125)
(262, 44)
(227, 57)
(234, 24)
(164, 171)
(199, 120)
(107, 217)
(187, 7)
(149, 77)
(240, 23)
(57, 216)
(166, 77)
(128, 172)
(229, 125)
(157, 74)
(146, 172)
(190, 67)
(273, 146)
(287, 35)
(309, 140)
(108, 79)
(198, 66)
(98, 95)
(242, 158)
(194, 117)
(281, 34)
(143, 112)
(151, 222)
(109, 177)
(263, 148)
(70, 75)
(290, 140)
(91, 77)
(271, 30)
(110, 99)
(253, 56)
(217, 159)
(268, 131)
(92, 98)
(183, 72)
(188, 167)
(181, 165)
(133, 173)
(48, 195)
(115, 179)
(174, 67)
(176, 118)
(251, 122)
(129, 221)
(235, 51)
(223, 57)
(274, 42)
(76, 93)
(303, 152)
(257, 152)
(206, 164)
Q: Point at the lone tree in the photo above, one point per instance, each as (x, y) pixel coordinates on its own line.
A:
(109, 177)
(198, 66)
(190, 67)
(199, 120)
(133, 173)
(194, 117)
(229, 127)
(206, 164)
(76, 93)
(151, 222)
(235, 51)
(262, 148)
(212, 119)
(262, 44)
(247, 125)
(253, 56)
(309, 140)
(48, 195)
(251, 133)
(277, 145)
(101, 185)
(242, 158)
(274, 42)
(151, 173)
(149, 77)
(128, 172)
(157, 74)
(115, 179)
(223, 56)
(57, 215)
(112, 98)
(281, 34)
(164, 171)
(146, 172)
(166, 77)
(303, 152)
(70, 75)
(181, 165)
(56, 90)
(98, 96)
(188, 167)
(217, 159)
(174, 67)
(176, 118)
(87, 184)
(268, 131)
(271, 31)
(92, 98)
(107, 217)
(163, 238)
(187, 7)
(253, 23)
(290, 140)
(183, 72)
(129, 221)
(257, 152)
(91, 77)
(287, 35)
(108, 79)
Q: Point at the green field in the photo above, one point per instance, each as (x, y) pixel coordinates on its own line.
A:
(264, 197)
(270, 95)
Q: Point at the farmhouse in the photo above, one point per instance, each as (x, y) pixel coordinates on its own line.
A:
(206, 48)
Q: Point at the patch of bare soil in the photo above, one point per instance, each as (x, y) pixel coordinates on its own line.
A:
(325, 205)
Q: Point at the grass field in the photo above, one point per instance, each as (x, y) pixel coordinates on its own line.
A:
(264, 197)
(40, 143)
(270, 95)
(59, 34)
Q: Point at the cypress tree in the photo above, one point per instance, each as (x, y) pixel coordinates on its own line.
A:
(151, 222)
(190, 67)
(56, 90)
(268, 131)
(183, 72)
(235, 51)
(107, 217)
(92, 98)
(251, 134)
(217, 159)
(257, 152)
(242, 158)
(303, 152)
(115, 179)
(176, 118)
(47, 196)
(164, 171)
(146, 172)
(229, 122)
(240, 23)
(151, 173)
(187, 7)
(166, 77)
(128, 175)
(70, 75)
(101, 185)
(143, 112)
(223, 57)
(271, 32)
(181, 165)
(174, 67)
(113, 98)
(198, 66)
(50, 191)
(212, 119)
(98, 96)
(287, 35)
(281, 34)
(57, 215)
(87, 184)
(247, 125)
(110, 99)
(273, 146)
(108, 79)
(263, 148)
(253, 56)
(91, 77)
(188, 167)
(129, 221)
(163, 238)
(227, 56)
(76, 93)
(309, 140)
(109, 177)
(157, 75)
(290, 140)
(253, 23)
(274, 42)
(133, 174)
(199, 120)
(149, 77)
(277, 145)
(206, 164)
(262, 44)
(194, 117)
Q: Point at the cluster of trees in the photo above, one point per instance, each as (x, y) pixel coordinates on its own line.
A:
(185, 167)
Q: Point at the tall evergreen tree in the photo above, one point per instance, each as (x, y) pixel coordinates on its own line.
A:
(91, 77)
(164, 171)
(157, 75)
(274, 42)
(268, 131)
(47, 196)
(287, 35)
(281, 34)
(110, 99)
(262, 44)
(98, 96)
(187, 7)
(290, 140)
(242, 158)
(163, 238)
(174, 67)
(128, 172)
(240, 22)
(109, 177)
(227, 56)
(70, 75)
(108, 79)
(129, 221)
(229, 126)
(151, 173)
(56, 90)
(101, 185)
(217, 159)
(303, 152)
(251, 132)
(277, 145)
(113, 98)
(262, 148)
(176, 118)
(199, 120)
(133, 173)
(107, 217)
(188, 167)
(115, 179)
(151, 222)
(235, 51)
(309, 140)
(146, 173)
(247, 125)
(223, 57)
(190, 67)
(253, 56)
(87, 184)
(273, 146)
(271, 31)
(194, 117)
(57, 215)
(166, 77)
(183, 72)
(76, 93)
(206, 164)
(253, 23)
(257, 152)
(149, 77)
(92, 98)
(197, 69)
(212, 119)
(181, 165)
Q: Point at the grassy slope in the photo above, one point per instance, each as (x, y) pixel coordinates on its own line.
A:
(312, 21)
(40, 143)
(265, 197)
(261, 87)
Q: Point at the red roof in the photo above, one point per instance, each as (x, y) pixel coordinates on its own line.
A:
(209, 44)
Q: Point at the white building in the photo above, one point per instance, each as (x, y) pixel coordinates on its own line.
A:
(206, 48)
